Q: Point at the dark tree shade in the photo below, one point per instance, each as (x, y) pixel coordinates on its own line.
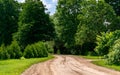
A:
(115, 4)
(8, 20)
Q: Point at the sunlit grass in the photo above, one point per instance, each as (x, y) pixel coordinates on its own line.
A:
(17, 66)
(101, 62)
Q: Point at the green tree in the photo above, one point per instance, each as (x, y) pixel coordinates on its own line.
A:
(9, 10)
(105, 42)
(96, 17)
(115, 4)
(34, 24)
(116, 24)
(66, 21)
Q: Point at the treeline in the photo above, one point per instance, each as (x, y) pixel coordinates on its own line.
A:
(24, 28)
(82, 27)
(86, 27)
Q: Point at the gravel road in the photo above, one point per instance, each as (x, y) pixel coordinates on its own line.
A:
(68, 65)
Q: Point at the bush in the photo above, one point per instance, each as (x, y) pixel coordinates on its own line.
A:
(102, 46)
(114, 56)
(43, 49)
(10, 52)
(14, 50)
(105, 41)
(4, 53)
(28, 53)
(36, 50)
(49, 46)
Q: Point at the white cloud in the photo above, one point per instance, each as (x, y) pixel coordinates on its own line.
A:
(54, 1)
(49, 6)
(21, 1)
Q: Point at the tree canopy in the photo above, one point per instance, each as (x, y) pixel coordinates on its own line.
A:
(66, 20)
(34, 24)
(95, 15)
(9, 10)
(115, 4)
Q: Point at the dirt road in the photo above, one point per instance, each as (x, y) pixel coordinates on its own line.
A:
(68, 65)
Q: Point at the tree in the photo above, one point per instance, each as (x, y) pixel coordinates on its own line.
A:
(115, 4)
(116, 24)
(34, 24)
(66, 21)
(95, 15)
(9, 10)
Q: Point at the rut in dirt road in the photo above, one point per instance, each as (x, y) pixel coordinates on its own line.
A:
(68, 65)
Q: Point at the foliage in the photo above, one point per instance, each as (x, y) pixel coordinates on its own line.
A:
(66, 21)
(94, 14)
(49, 46)
(4, 53)
(102, 47)
(116, 24)
(105, 41)
(9, 12)
(12, 51)
(36, 50)
(34, 24)
(115, 4)
(114, 55)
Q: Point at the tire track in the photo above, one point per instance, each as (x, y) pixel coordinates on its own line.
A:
(68, 65)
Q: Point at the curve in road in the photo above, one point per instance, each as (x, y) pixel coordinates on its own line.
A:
(68, 65)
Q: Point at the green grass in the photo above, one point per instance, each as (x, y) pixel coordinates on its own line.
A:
(17, 66)
(102, 62)
(91, 57)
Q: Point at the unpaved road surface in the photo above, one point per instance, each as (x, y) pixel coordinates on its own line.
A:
(68, 65)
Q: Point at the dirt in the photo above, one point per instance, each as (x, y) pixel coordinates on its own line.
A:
(68, 65)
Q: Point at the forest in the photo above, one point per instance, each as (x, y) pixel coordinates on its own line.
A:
(78, 27)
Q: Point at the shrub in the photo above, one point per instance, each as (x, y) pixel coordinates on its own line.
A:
(49, 45)
(114, 56)
(3, 52)
(36, 50)
(14, 50)
(28, 53)
(42, 49)
(102, 43)
(105, 41)
(10, 52)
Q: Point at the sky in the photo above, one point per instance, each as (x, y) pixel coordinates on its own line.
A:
(50, 5)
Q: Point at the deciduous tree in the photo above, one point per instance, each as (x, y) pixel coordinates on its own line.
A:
(115, 4)
(9, 10)
(34, 24)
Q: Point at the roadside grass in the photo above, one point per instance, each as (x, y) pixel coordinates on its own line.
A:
(17, 66)
(92, 57)
(101, 62)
